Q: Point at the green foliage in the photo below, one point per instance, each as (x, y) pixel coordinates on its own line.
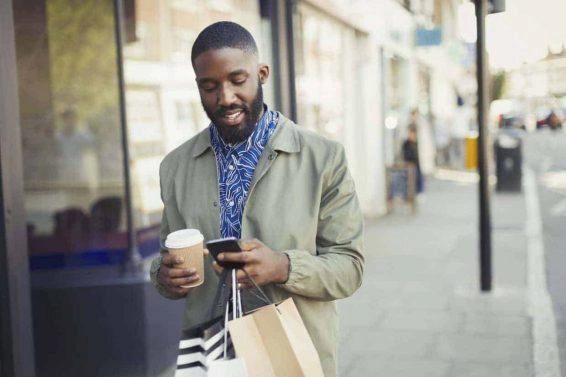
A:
(82, 53)
(498, 85)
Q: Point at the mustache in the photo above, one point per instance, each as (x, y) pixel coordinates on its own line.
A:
(223, 110)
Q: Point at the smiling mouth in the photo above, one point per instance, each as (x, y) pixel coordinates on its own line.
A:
(233, 117)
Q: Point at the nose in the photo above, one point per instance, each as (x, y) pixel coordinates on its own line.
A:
(226, 96)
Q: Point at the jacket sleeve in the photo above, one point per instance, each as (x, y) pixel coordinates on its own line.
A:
(169, 210)
(336, 270)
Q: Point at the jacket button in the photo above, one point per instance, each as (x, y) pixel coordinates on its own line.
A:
(215, 204)
(271, 156)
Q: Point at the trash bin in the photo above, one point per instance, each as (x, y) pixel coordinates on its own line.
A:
(472, 151)
(508, 162)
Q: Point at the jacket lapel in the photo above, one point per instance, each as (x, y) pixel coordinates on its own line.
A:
(285, 139)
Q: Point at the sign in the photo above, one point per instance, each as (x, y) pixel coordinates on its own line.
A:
(428, 37)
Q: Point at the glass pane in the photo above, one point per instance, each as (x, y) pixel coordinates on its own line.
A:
(163, 103)
(323, 72)
(74, 187)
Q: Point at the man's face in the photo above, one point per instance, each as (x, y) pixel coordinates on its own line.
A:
(229, 82)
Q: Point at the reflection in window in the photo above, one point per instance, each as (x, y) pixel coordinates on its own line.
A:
(70, 132)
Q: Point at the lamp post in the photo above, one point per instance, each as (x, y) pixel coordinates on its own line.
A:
(482, 8)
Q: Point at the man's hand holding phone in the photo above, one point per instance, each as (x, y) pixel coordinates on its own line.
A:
(263, 264)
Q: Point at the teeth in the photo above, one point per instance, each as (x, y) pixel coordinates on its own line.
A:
(232, 116)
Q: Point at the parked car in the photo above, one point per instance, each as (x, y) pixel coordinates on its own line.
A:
(551, 118)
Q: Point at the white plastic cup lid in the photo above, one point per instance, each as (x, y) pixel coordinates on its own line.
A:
(183, 238)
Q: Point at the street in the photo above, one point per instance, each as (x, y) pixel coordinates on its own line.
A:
(545, 154)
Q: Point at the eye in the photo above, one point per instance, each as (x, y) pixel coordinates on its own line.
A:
(207, 87)
(239, 81)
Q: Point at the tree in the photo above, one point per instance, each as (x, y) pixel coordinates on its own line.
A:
(498, 85)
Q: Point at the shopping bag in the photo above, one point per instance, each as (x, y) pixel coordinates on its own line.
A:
(227, 368)
(274, 342)
(202, 346)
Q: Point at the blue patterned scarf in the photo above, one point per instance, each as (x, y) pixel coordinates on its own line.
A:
(236, 165)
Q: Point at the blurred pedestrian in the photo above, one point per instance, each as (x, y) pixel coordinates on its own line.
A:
(459, 130)
(442, 141)
(411, 156)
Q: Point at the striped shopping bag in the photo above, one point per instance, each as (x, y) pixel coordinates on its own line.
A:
(206, 350)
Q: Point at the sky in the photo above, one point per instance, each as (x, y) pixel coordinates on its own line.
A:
(523, 33)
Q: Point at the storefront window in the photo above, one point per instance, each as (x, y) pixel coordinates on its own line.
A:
(324, 73)
(73, 170)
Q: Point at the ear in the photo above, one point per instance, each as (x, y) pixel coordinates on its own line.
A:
(263, 73)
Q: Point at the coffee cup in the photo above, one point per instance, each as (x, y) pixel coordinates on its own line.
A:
(188, 244)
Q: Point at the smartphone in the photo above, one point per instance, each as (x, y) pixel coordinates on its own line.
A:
(223, 245)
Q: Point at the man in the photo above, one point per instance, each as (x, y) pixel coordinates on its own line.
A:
(255, 175)
(76, 151)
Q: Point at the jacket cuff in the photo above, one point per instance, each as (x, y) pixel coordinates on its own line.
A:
(154, 270)
(297, 267)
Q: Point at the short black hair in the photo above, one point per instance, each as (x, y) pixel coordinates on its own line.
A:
(221, 35)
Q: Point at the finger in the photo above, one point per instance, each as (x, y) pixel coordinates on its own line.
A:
(245, 286)
(241, 276)
(180, 291)
(173, 273)
(178, 282)
(171, 260)
(217, 268)
(206, 252)
(248, 245)
(239, 256)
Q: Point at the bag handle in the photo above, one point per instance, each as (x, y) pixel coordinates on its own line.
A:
(225, 287)
(263, 297)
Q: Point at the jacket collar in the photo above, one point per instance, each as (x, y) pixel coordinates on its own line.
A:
(285, 138)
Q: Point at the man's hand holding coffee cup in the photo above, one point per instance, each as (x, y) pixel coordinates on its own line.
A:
(263, 264)
(182, 268)
(174, 277)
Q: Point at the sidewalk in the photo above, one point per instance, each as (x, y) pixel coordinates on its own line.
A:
(420, 311)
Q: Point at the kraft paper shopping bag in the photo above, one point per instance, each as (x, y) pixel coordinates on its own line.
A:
(274, 342)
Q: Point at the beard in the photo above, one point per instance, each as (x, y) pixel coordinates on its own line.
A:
(237, 134)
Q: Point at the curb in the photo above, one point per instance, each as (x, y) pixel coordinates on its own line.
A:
(545, 345)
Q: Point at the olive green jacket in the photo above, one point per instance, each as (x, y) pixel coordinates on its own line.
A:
(301, 201)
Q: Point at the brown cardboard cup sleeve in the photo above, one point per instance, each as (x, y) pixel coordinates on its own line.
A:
(188, 243)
